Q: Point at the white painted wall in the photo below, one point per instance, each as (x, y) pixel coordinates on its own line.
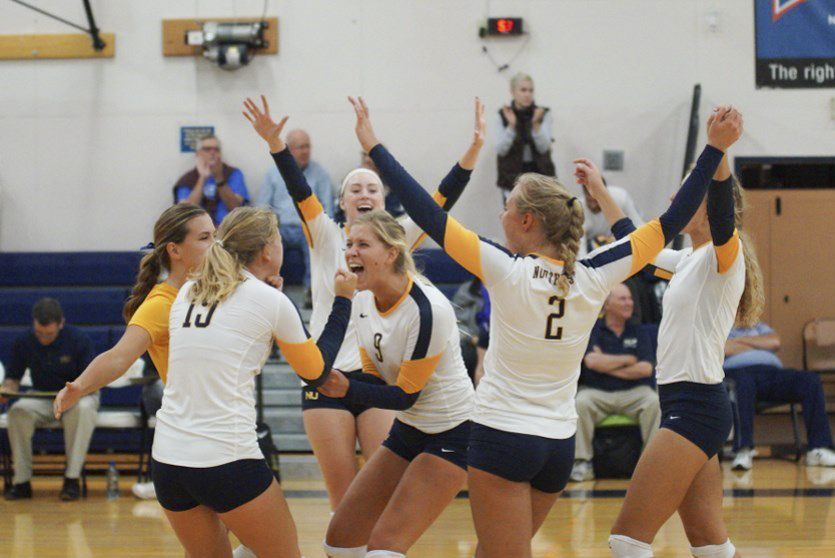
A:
(89, 149)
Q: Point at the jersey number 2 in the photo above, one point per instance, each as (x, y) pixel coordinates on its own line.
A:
(199, 319)
(552, 330)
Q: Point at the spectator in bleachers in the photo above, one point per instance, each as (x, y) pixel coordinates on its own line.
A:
(274, 194)
(524, 136)
(597, 231)
(55, 354)
(616, 379)
(212, 184)
(758, 374)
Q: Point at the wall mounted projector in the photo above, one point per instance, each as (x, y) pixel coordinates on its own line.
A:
(229, 45)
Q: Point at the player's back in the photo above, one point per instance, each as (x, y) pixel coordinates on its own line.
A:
(209, 408)
(537, 342)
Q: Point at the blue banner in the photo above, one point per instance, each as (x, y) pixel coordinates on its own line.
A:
(795, 43)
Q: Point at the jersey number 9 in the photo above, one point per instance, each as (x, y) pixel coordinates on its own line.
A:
(552, 330)
(378, 337)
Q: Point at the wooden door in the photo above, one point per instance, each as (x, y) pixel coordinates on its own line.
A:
(801, 265)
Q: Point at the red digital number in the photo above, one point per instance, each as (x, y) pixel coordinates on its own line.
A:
(504, 25)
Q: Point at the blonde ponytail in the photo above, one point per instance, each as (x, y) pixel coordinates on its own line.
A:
(241, 236)
(752, 302)
(559, 214)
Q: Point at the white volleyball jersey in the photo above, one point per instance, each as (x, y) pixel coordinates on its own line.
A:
(537, 338)
(416, 345)
(699, 310)
(327, 242)
(208, 408)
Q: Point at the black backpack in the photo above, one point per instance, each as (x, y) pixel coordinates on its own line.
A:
(616, 451)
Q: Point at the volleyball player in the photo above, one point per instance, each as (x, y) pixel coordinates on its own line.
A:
(544, 304)
(715, 283)
(182, 236)
(408, 336)
(334, 425)
(208, 469)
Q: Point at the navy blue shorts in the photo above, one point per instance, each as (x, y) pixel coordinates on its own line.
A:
(312, 399)
(544, 462)
(699, 412)
(221, 489)
(408, 442)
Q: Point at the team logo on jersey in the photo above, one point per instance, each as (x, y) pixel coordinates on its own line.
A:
(311, 395)
(65, 359)
(630, 343)
(781, 7)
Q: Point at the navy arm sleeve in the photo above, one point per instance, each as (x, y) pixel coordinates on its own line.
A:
(417, 202)
(332, 336)
(381, 397)
(691, 193)
(720, 211)
(623, 227)
(453, 184)
(293, 176)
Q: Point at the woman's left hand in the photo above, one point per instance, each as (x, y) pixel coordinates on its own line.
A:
(335, 386)
(364, 129)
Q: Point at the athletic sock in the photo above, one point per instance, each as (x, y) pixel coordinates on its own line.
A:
(724, 550)
(336, 552)
(626, 547)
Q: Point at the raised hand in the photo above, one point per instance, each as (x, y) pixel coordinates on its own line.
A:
(725, 127)
(336, 385)
(510, 116)
(588, 175)
(203, 167)
(264, 124)
(480, 124)
(66, 399)
(538, 115)
(344, 283)
(365, 132)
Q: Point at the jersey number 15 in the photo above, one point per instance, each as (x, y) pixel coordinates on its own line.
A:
(552, 330)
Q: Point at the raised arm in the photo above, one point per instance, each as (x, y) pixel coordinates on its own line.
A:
(720, 213)
(479, 257)
(458, 177)
(588, 175)
(270, 131)
(311, 360)
(627, 256)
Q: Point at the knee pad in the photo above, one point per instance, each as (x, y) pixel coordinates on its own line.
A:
(626, 547)
(384, 554)
(724, 550)
(243, 552)
(336, 552)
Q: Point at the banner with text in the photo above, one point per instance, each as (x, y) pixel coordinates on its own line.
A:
(795, 43)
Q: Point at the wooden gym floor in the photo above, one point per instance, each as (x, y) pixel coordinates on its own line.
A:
(780, 509)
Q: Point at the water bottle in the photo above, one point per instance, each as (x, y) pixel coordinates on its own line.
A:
(210, 189)
(112, 481)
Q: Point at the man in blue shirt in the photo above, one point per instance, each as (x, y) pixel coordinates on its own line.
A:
(54, 354)
(274, 194)
(212, 184)
(616, 378)
(758, 374)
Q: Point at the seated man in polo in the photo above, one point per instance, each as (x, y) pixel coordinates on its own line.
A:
(55, 354)
(616, 378)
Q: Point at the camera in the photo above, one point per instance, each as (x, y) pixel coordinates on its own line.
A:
(229, 45)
